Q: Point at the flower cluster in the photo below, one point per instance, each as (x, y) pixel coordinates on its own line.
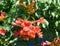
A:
(2, 31)
(28, 30)
(30, 9)
(2, 16)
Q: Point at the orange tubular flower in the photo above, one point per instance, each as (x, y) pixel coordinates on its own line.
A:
(32, 3)
(18, 22)
(32, 34)
(44, 43)
(30, 9)
(24, 34)
(57, 40)
(23, 4)
(26, 23)
(40, 35)
(2, 31)
(2, 16)
(37, 29)
(41, 20)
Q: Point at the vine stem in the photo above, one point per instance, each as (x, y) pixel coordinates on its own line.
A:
(6, 40)
(11, 41)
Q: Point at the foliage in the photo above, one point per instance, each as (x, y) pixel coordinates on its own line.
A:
(49, 9)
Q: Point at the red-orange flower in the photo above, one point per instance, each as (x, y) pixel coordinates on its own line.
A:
(43, 43)
(17, 22)
(3, 13)
(57, 40)
(40, 34)
(26, 23)
(41, 20)
(23, 33)
(32, 3)
(37, 29)
(2, 31)
(28, 31)
(30, 6)
(30, 9)
(2, 16)
(23, 4)
(32, 34)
